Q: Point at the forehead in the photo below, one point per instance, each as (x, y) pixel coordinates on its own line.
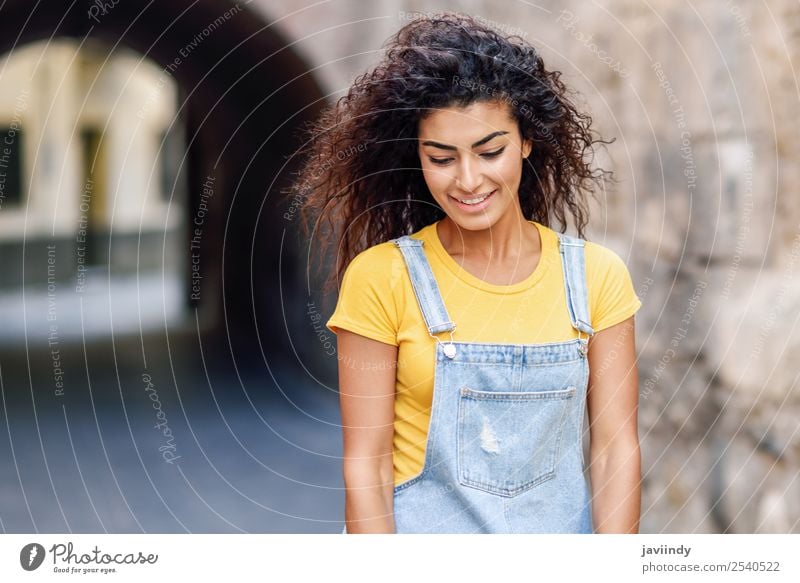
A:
(465, 125)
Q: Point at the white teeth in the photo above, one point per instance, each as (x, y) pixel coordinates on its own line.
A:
(475, 200)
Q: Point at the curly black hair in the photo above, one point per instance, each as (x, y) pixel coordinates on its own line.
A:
(361, 182)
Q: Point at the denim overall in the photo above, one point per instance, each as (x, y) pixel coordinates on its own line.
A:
(504, 451)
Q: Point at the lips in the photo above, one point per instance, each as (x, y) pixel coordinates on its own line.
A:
(474, 207)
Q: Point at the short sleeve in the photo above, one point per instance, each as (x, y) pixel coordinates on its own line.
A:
(612, 298)
(366, 304)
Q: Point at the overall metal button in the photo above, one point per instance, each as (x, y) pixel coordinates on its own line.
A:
(449, 350)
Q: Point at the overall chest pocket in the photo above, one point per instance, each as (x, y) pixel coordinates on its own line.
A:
(508, 442)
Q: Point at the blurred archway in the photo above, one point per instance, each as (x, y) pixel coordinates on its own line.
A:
(242, 92)
(159, 425)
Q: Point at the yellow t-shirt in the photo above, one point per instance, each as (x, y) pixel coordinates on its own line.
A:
(376, 300)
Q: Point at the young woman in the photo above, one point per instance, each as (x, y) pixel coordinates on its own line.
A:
(472, 337)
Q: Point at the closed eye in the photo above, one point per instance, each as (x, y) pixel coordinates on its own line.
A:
(489, 155)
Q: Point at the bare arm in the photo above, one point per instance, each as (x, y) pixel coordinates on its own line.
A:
(367, 375)
(613, 410)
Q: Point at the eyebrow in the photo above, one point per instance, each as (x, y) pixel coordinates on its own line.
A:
(480, 142)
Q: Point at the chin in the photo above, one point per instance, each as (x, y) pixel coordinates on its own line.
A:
(476, 223)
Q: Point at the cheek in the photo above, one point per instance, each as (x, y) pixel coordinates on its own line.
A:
(435, 177)
(508, 172)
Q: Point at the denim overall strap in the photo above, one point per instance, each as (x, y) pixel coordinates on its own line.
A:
(424, 285)
(572, 260)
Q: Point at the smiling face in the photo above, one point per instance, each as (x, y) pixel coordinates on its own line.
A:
(471, 152)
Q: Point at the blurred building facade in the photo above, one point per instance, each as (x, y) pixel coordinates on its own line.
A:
(93, 145)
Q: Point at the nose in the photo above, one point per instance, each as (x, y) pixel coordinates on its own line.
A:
(468, 175)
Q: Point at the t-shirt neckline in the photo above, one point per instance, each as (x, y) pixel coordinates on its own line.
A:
(431, 237)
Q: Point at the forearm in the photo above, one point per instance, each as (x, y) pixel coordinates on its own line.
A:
(369, 506)
(616, 487)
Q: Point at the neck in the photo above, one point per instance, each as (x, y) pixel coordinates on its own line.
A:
(506, 240)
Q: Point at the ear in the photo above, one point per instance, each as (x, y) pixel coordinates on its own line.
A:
(527, 147)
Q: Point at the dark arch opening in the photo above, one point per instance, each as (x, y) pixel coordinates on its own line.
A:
(241, 83)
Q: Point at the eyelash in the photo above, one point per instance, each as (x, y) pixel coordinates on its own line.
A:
(443, 161)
